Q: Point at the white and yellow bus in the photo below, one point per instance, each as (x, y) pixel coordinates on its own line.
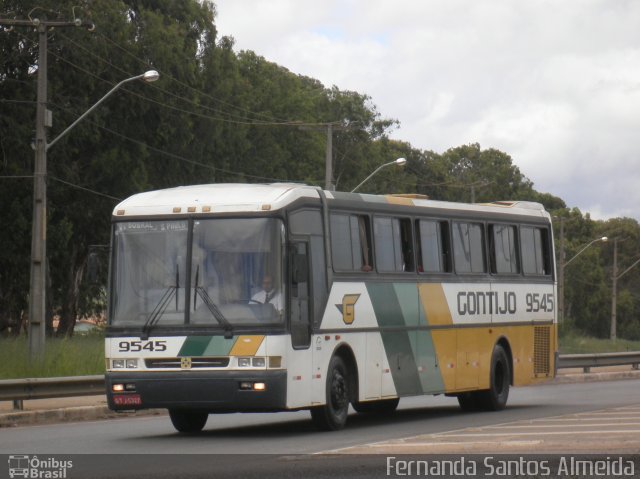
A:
(245, 298)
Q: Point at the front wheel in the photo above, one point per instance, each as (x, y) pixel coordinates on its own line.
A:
(333, 415)
(188, 421)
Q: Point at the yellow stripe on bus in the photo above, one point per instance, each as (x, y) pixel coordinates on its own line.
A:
(396, 200)
(434, 304)
(246, 346)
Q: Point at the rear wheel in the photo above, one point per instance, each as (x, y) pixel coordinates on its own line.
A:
(496, 397)
(468, 401)
(384, 406)
(188, 421)
(333, 415)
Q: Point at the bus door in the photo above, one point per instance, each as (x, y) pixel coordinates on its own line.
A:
(300, 306)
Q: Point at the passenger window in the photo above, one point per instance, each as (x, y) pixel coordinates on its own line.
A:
(434, 251)
(504, 259)
(468, 248)
(394, 245)
(536, 250)
(351, 242)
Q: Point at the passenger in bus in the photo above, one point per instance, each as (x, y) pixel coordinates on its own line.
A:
(268, 294)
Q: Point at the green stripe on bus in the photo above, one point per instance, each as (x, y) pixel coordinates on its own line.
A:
(430, 377)
(219, 346)
(207, 346)
(397, 344)
(407, 294)
(194, 346)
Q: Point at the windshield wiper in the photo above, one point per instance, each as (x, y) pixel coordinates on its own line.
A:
(211, 306)
(161, 307)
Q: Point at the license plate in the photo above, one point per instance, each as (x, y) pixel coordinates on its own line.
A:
(127, 400)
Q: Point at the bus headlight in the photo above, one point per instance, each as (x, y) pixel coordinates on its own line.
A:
(117, 363)
(244, 362)
(132, 364)
(258, 362)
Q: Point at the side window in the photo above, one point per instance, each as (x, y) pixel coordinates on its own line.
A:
(468, 247)
(434, 251)
(394, 245)
(536, 250)
(504, 259)
(351, 242)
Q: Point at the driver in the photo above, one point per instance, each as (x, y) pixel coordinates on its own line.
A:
(268, 294)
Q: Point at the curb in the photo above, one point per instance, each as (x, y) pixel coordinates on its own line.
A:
(69, 414)
(91, 413)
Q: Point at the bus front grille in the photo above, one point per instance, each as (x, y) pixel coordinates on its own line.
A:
(541, 347)
(194, 363)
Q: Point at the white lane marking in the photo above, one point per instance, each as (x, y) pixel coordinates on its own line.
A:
(540, 433)
(456, 443)
(613, 424)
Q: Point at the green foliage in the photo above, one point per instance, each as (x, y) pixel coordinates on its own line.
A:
(217, 115)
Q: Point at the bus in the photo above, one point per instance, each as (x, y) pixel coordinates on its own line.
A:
(281, 297)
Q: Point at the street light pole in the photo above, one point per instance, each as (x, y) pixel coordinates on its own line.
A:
(564, 264)
(614, 289)
(37, 288)
(399, 162)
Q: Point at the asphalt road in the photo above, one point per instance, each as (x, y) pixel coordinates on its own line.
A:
(282, 436)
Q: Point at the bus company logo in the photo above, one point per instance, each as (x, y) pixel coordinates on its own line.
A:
(37, 468)
(348, 307)
(185, 363)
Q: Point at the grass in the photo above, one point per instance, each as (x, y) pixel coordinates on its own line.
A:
(78, 356)
(84, 355)
(573, 343)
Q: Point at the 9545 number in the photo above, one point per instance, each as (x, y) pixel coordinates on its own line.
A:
(137, 346)
(539, 302)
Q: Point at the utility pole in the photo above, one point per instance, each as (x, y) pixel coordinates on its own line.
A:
(614, 290)
(328, 161)
(37, 288)
(561, 273)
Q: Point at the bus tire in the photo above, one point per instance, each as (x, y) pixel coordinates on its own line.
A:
(383, 406)
(188, 421)
(333, 415)
(469, 401)
(495, 398)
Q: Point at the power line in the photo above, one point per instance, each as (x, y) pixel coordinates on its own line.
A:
(174, 155)
(167, 92)
(84, 188)
(217, 100)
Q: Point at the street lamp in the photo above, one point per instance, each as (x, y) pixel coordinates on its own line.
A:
(563, 265)
(399, 162)
(614, 288)
(37, 284)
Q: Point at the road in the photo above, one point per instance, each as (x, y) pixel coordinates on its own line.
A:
(288, 434)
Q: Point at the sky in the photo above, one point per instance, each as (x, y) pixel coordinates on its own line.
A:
(554, 84)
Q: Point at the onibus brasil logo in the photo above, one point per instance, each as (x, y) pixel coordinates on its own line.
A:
(38, 468)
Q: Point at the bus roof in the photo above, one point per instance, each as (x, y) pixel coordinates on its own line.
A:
(243, 197)
(214, 198)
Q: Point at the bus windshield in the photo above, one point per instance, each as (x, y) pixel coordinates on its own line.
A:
(202, 272)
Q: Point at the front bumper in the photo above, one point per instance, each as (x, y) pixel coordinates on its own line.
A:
(212, 391)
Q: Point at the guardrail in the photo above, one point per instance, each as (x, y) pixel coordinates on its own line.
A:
(588, 361)
(18, 390)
